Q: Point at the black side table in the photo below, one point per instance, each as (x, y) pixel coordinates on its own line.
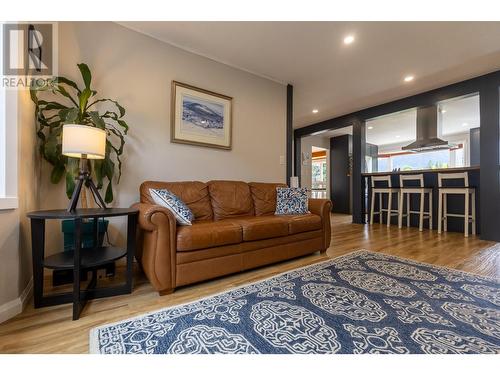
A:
(79, 258)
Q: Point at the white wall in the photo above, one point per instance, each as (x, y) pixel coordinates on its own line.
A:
(137, 70)
(15, 247)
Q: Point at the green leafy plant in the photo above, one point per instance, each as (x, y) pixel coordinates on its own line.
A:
(79, 105)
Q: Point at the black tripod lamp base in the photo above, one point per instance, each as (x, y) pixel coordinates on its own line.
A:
(84, 178)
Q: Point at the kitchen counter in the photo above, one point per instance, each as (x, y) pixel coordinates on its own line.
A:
(417, 171)
(455, 202)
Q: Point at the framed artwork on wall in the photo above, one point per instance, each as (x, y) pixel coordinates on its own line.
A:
(200, 117)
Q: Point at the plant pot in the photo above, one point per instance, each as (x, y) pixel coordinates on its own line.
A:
(62, 277)
(68, 229)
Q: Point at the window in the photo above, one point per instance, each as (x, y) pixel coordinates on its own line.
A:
(319, 178)
(3, 134)
(408, 161)
(458, 123)
(319, 174)
(2, 130)
(8, 141)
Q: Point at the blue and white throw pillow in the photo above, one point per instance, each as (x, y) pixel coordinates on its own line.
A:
(291, 201)
(172, 202)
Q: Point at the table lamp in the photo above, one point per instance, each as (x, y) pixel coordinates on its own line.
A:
(84, 142)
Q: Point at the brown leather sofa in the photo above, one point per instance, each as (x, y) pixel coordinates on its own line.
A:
(235, 229)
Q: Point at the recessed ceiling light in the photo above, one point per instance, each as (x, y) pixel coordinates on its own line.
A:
(315, 110)
(370, 127)
(465, 124)
(349, 39)
(398, 136)
(443, 111)
(409, 78)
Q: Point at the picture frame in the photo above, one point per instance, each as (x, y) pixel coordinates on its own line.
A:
(200, 117)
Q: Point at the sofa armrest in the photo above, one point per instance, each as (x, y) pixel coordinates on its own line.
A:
(323, 207)
(152, 216)
(157, 245)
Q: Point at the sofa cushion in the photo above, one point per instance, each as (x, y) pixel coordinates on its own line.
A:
(230, 199)
(262, 227)
(264, 197)
(207, 234)
(174, 204)
(303, 223)
(291, 201)
(193, 193)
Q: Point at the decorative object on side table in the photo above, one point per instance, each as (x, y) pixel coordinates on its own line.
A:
(200, 117)
(78, 260)
(84, 142)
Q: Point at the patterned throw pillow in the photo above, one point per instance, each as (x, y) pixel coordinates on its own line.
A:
(291, 201)
(172, 202)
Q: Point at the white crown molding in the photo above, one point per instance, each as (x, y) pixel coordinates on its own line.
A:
(12, 308)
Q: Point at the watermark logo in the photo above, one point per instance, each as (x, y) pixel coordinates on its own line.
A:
(29, 54)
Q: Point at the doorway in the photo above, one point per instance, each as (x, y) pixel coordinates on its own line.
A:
(319, 172)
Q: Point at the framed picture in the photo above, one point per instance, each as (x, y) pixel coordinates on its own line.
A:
(200, 117)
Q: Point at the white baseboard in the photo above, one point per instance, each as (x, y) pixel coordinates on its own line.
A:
(12, 308)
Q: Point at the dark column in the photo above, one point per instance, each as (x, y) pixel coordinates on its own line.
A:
(340, 173)
(297, 153)
(474, 146)
(289, 131)
(490, 161)
(358, 162)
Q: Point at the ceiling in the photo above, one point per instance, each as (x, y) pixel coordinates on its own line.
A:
(336, 78)
(337, 132)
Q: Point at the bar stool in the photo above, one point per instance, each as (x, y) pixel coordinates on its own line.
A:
(409, 190)
(469, 194)
(389, 190)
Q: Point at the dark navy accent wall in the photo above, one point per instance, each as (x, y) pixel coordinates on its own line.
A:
(358, 164)
(340, 174)
(487, 86)
(489, 153)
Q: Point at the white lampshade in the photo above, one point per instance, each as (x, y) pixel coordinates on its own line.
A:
(83, 141)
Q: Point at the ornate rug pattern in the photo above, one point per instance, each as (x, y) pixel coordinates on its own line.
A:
(362, 302)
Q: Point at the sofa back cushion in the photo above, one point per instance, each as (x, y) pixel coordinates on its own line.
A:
(230, 199)
(193, 193)
(264, 197)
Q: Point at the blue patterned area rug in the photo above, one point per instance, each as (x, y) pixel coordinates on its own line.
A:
(363, 302)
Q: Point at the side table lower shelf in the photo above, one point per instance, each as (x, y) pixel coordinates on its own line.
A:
(89, 258)
(81, 259)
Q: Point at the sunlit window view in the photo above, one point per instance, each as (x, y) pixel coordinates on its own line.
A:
(457, 125)
(319, 174)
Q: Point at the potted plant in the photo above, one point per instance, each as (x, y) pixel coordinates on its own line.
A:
(61, 101)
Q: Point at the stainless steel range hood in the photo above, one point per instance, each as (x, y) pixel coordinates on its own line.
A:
(427, 132)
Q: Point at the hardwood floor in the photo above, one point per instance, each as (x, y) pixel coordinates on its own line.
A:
(51, 330)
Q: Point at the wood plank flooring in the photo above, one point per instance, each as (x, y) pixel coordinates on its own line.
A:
(51, 330)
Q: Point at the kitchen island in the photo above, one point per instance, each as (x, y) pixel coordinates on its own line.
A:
(455, 202)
